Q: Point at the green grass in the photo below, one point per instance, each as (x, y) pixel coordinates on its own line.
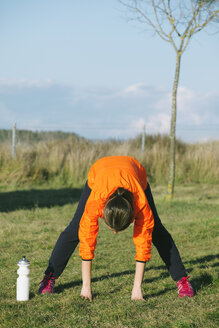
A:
(31, 221)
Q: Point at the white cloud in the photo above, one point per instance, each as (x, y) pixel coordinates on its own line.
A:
(159, 123)
(139, 124)
(135, 88)
(136, 127)
(163, 104)
(7, 117)
(142, 90)
(23, 83)
(107, 112)
(196, 108)
(31, 124)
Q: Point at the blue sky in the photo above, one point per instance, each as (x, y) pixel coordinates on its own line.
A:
(80, 66)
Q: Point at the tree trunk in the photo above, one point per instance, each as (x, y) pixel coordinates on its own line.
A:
(173, 128)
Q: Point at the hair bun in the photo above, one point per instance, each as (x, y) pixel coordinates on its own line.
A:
(124, 193)
(120, 191)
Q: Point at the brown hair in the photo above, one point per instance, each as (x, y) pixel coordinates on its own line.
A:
(118, 211)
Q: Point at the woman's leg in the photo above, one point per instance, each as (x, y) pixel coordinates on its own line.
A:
(68, 239)
(164, 243)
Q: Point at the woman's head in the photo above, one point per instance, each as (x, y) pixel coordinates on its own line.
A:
(118, 211)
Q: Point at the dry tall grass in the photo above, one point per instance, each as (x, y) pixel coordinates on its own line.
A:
(67, 161)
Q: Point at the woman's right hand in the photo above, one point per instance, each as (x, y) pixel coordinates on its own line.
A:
(86, 278)
(86, 293)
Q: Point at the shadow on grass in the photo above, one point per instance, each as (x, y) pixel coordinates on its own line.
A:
(29, 199)
(199, 282)
(202, 281)
(166, 290)
(32, 295)
(203, 262)
(61, 288)
(207, 258)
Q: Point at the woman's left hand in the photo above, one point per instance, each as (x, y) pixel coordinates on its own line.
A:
(137, 294)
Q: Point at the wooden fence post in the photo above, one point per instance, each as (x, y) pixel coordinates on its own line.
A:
(13, 140)
(143, 140)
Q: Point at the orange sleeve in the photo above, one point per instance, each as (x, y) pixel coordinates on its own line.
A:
(88, 229)
(142, 235)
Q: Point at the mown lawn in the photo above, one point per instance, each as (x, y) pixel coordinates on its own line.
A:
(31, 221)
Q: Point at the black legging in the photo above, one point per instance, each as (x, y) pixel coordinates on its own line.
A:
(164, 243)
(68, 240)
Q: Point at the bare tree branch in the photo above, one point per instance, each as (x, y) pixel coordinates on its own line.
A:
(176, 22)
(146, 19)
(157, 20)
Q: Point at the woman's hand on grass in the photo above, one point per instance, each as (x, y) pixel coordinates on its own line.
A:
(86, 293)
(86, 278)
(137, 294)
(139, 274)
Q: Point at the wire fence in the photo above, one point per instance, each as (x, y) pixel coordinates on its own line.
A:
(15, 136)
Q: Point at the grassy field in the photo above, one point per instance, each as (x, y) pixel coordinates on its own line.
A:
(31, 221)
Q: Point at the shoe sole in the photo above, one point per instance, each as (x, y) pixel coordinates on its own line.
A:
(47, 293)
(186, 296)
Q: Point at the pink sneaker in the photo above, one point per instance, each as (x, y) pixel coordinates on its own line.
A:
(185, 288)
(47, 285)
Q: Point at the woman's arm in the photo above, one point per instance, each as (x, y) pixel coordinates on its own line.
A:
(86, 280)
(88, 229)
(139, 274)
(142, 234)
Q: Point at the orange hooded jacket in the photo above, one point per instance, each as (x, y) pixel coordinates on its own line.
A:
(104, 177)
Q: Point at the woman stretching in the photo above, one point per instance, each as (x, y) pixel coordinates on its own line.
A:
(118, 192)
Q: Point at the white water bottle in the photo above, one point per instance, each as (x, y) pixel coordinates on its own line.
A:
(23, 280)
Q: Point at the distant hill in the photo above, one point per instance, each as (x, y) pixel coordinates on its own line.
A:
(28, 136)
